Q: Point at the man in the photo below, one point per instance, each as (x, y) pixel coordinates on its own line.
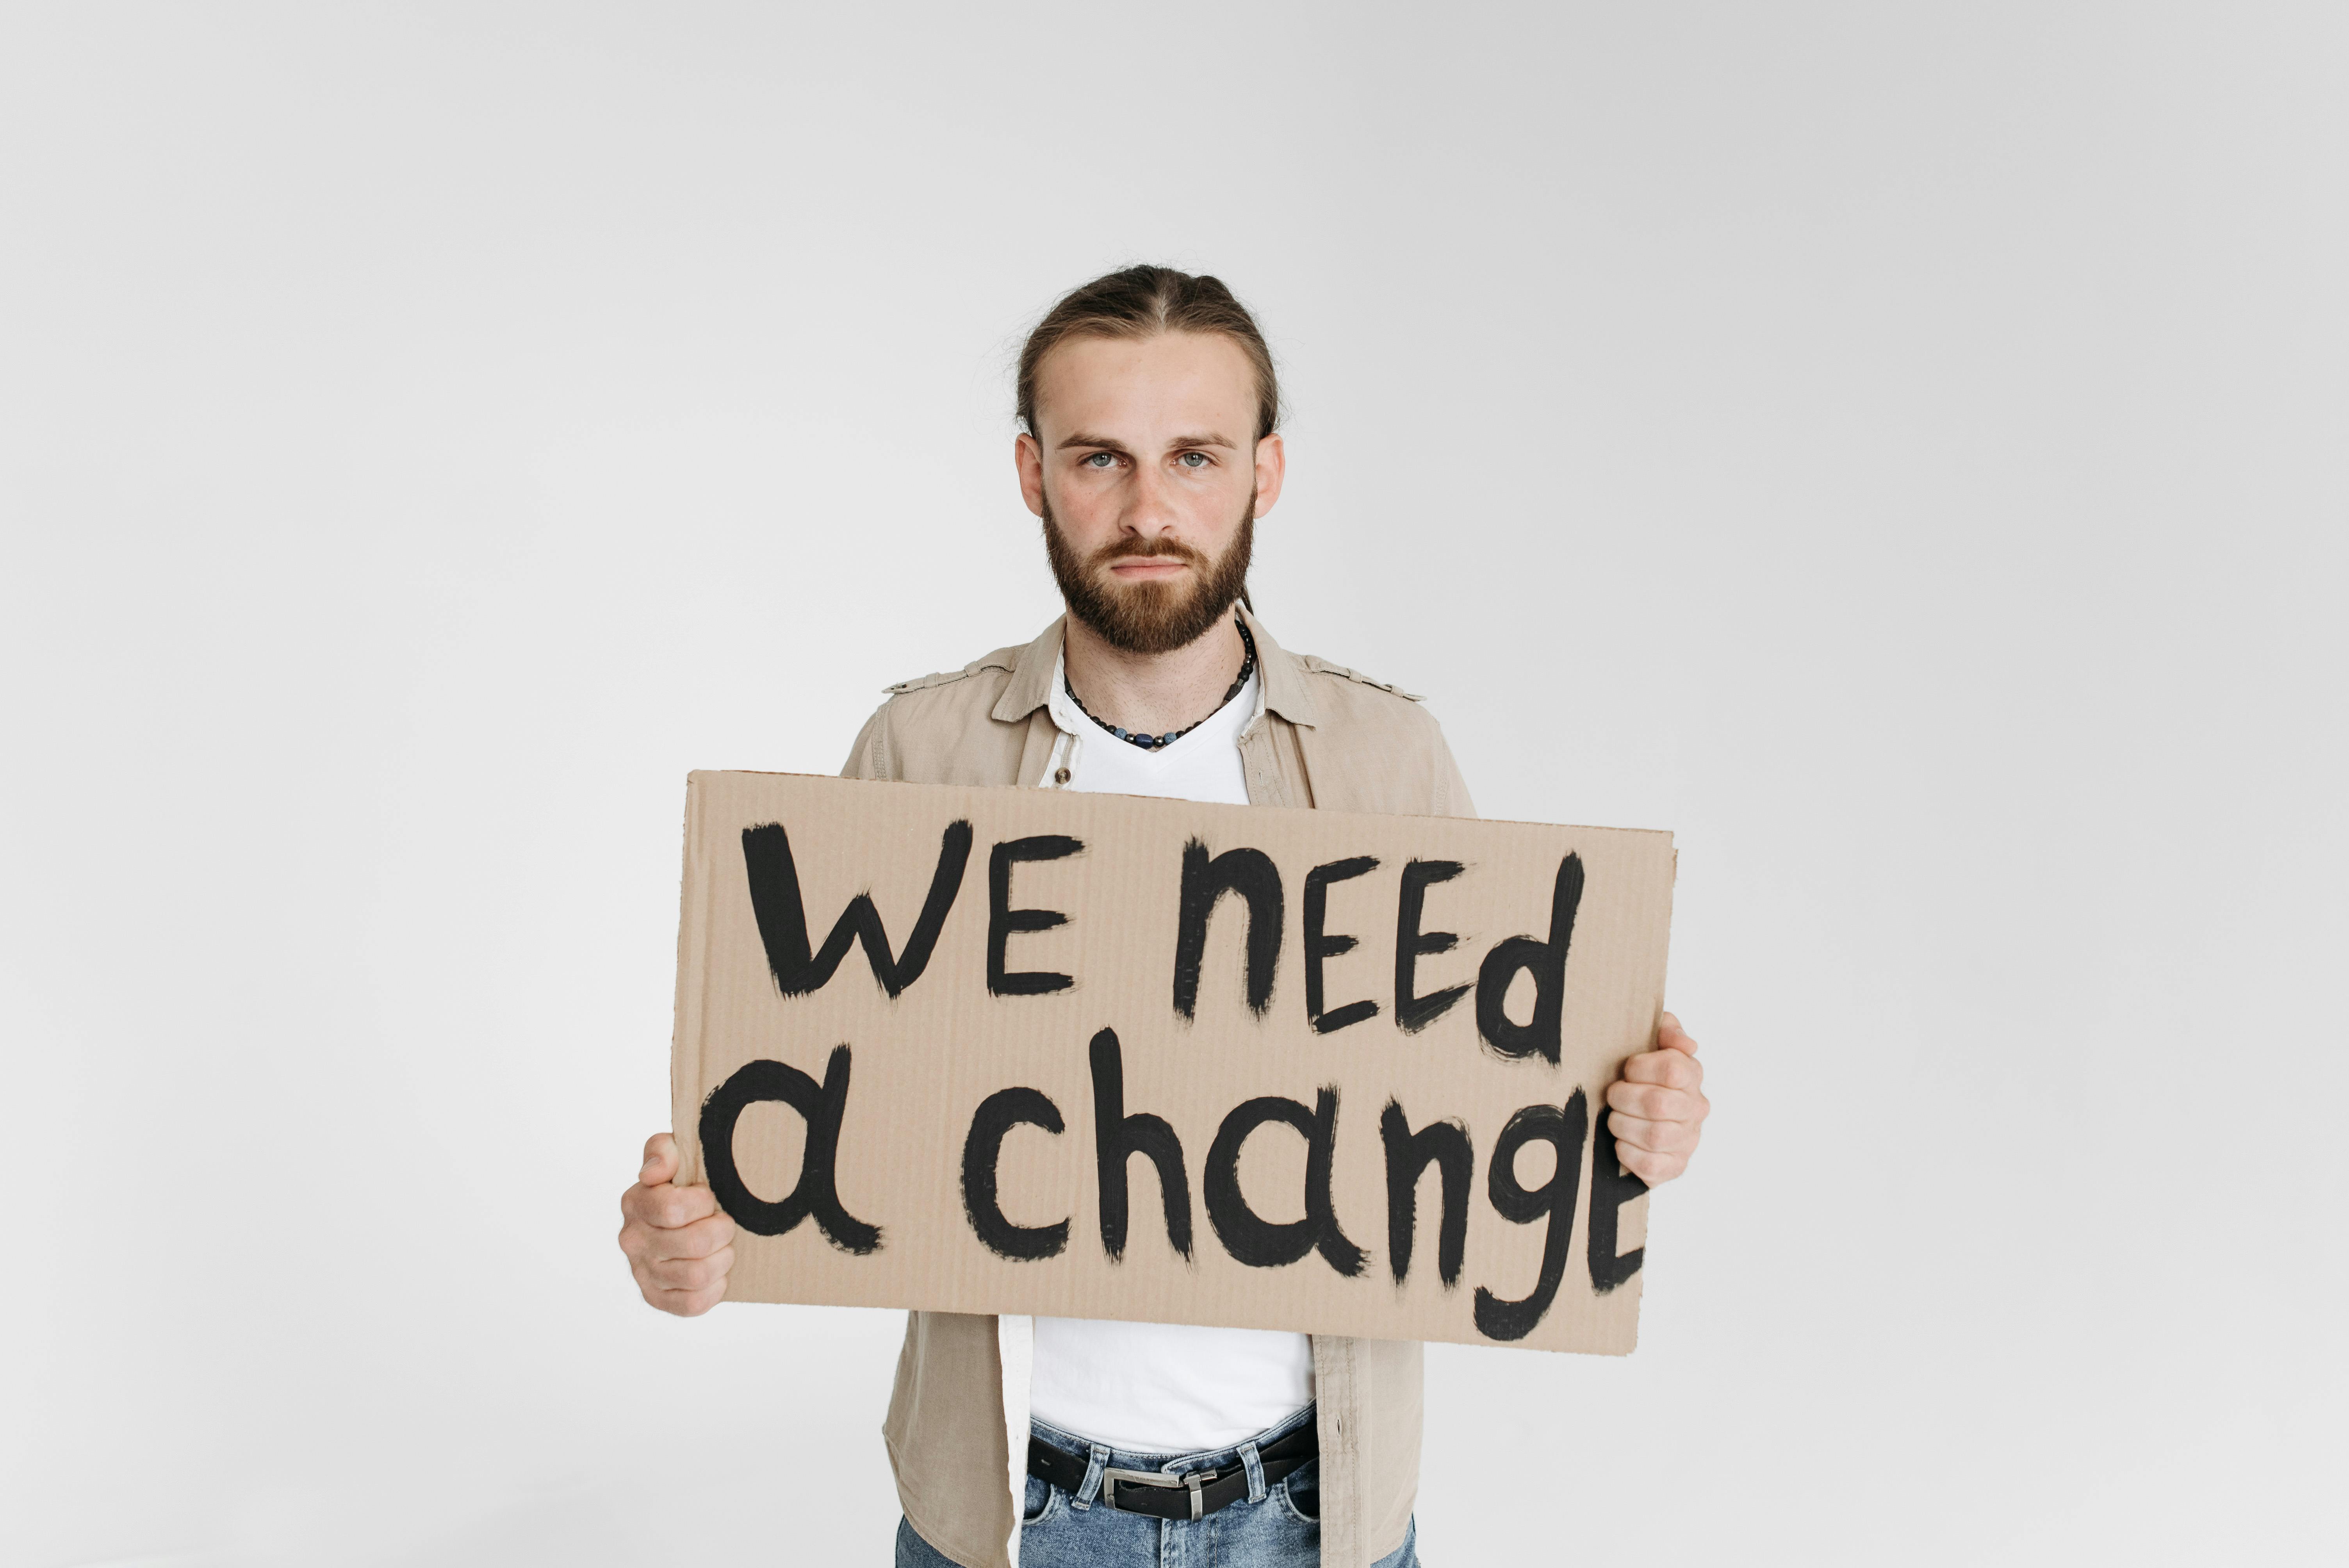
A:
(1149, 449)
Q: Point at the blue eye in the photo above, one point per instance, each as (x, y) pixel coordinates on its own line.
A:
(1194, 459)
(1101, 460)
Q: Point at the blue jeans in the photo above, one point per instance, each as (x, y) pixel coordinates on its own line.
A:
(1275, 1526)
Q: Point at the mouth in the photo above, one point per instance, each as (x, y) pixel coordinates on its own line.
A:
(1147, 568)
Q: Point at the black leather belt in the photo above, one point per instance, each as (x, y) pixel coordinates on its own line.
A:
(1164, 1496)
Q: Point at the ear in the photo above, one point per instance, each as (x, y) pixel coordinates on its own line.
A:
(1272, 468)
(1028, 456)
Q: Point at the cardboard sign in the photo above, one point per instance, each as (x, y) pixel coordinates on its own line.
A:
(997, 1050)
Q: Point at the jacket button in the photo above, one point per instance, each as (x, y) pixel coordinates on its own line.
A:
(1060, 777)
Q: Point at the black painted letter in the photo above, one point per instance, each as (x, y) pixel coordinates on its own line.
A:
(782, 916)
(1117, 1137)
(1446, 1145)
(998, 1114)
(1611, 1187)
(1253, 1240)
(1251, 874)
(814, 1192)
(1002, 919)
(1318, 947)
(1412, 1011)
(1563, 1130)
(1545, 961)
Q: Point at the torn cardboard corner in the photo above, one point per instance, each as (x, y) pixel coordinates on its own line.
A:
(996, 1050)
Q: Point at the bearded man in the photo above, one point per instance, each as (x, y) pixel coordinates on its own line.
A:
(1150, 447)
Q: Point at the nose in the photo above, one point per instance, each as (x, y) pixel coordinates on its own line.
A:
(1150, 509)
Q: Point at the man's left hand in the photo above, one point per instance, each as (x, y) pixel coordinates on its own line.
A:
(1660, 1106)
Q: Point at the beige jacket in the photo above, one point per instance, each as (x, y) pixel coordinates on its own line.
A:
(1321, 736)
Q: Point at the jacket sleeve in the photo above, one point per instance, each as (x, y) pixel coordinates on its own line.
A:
(1451, 790)
(872, 757)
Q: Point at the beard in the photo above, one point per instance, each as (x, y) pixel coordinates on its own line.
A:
(1152, 617)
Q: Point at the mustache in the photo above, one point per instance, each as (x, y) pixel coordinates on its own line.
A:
(1144, 550)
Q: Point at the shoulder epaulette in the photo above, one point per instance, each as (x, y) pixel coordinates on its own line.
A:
(921, 683)
(1323, 666)
(946, 677)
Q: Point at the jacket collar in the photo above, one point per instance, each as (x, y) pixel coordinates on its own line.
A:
(1030, 687)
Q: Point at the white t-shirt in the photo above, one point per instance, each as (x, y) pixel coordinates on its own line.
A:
(1163, 1387)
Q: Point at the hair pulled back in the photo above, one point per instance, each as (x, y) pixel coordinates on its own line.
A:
(1141, 302)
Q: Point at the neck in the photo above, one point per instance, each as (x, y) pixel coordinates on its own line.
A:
(1153, 693)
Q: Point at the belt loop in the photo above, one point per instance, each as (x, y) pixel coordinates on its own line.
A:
(1255, 1467)
(1092, 1487)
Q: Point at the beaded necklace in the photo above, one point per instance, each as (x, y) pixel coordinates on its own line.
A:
(1154, 742)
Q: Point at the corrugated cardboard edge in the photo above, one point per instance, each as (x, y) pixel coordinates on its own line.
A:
(1639, 1281)
(691, 1005)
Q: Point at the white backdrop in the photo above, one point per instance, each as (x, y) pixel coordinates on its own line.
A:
(1900, 450)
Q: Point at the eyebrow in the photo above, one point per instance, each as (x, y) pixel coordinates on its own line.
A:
(1107, 444)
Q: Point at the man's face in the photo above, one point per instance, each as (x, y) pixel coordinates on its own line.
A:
(1146, 472)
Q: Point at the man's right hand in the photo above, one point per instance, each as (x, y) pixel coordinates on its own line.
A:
(679, 1245)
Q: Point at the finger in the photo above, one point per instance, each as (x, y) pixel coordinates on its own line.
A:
(703, 1238)
(1671, 1037)
(1673, 1069)
(1654, 1101)
(660, 1160)
(1653, 1169)
(681, 1303)
(1654, 1137)
(685, 1303)
(691, 1274)
(667, 1207)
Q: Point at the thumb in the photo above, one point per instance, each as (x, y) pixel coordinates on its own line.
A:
(1671, 1037)
(660, 1160)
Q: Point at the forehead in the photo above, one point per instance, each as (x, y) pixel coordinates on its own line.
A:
(1133, 387)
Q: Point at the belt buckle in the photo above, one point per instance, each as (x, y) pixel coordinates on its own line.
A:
(1161, 1481)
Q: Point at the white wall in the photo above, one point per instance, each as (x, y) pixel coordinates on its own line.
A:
(1899, 449)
